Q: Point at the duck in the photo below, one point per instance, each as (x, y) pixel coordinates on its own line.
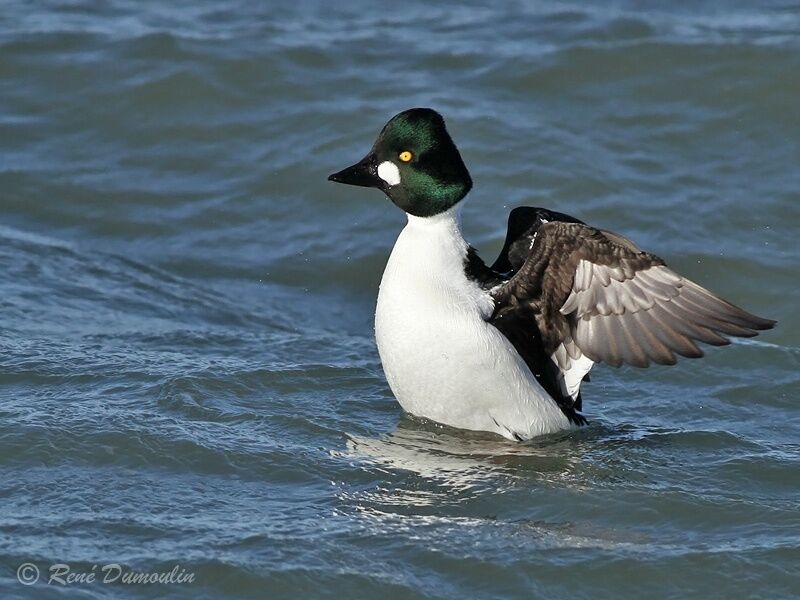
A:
(506, 348)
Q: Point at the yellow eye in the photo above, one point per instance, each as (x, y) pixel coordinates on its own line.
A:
(406, 156)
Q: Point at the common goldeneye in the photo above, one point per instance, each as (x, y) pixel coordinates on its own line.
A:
(505, 348)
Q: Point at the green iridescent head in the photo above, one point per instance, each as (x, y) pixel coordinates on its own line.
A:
(415, 162)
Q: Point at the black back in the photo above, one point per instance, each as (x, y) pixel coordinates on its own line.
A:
(523, 224)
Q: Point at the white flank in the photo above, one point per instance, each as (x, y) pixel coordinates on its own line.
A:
(389, 172)
(442, 359)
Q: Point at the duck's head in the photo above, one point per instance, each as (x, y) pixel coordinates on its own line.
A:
(414, 162)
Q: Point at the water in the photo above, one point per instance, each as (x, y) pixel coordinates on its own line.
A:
(188, 371)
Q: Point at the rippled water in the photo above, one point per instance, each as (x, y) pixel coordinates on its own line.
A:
(186, 355)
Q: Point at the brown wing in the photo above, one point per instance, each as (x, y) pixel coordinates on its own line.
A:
(595, 293)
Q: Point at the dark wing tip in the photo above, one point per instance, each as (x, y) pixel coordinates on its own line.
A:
(762, 324)
(733, 314)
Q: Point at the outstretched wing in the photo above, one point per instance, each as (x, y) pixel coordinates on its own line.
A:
(592, 296)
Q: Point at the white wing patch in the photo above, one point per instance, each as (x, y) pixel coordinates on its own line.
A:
(573, 366)
(573, 377)
(389, 172)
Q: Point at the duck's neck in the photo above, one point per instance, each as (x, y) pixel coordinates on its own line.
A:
(426, 273)
(437, 238)
(431, 258)
(451, 218)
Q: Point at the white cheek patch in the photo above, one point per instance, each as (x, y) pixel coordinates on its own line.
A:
(389, 172)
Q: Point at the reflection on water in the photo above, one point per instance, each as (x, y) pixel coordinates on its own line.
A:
(429, 475)
(454, 464)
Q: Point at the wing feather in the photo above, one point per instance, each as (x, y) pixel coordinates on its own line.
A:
(593, 293)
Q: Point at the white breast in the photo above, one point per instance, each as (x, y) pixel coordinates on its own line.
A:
(442, 359)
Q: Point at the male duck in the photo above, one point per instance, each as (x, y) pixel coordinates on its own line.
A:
(505, 348)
